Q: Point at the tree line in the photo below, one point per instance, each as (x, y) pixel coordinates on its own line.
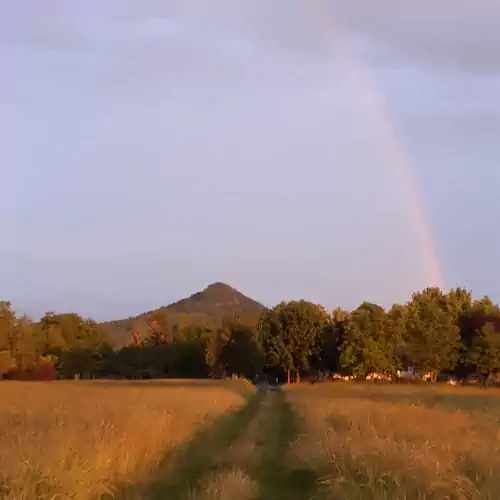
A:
(435, 333)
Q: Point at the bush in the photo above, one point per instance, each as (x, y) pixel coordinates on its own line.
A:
(43, 371)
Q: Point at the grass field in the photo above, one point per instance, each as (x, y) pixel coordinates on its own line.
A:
(369, 441)
(81, 440)
(204, 440)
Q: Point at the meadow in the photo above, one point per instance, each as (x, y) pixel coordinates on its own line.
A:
(87, 440)
(375, 441)
(225, 440)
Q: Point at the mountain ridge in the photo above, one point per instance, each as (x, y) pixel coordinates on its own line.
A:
(214, 302)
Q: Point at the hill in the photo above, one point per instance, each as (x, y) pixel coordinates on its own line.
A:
(209, 306)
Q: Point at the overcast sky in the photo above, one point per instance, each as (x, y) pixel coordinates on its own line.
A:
(149, 148)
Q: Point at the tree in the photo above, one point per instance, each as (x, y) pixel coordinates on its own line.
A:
(395, 326)
(472, 323)
(433, 338)
(158, 328)
(188, 358)
(327, 355)
(26, 346)
(48, 323)
(7, 321)
(459, 302)
(368, 346)
(242, 354)
(484, 353)
(215, 341)
(289, 333)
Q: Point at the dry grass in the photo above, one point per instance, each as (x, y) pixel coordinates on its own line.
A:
(77, 439)
(400, 442)
(233, 484)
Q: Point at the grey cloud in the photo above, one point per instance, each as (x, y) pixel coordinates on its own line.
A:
(456, 34)
(460, 34)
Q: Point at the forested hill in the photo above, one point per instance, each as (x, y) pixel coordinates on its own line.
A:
(207, 307)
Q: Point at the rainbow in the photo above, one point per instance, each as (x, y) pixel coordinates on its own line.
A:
(399, 160)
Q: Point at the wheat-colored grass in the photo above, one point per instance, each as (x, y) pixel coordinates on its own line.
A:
(232, 484)
(76, 440)
(375, 442)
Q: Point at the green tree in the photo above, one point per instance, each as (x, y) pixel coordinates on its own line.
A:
(188, 358)
(289, 333)
(327, 356)
(215, 341)
(459, 302)
(433, 337)
(472, 322)
(368, 344)
(484, 353)
(242, 354)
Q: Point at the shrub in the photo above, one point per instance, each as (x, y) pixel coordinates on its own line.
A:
(44, 371)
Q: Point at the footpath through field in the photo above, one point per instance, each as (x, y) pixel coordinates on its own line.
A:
(243, 457)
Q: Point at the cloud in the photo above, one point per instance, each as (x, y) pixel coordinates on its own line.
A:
(454, 34)
(181, 123)
(450, 34)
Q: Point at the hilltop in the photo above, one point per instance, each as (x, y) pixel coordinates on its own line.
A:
(217, 299)
(215, 302)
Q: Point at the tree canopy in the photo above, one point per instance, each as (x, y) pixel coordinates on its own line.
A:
(434, 332)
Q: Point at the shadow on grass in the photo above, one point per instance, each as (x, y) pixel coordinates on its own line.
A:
(276, 479)
(193, 460)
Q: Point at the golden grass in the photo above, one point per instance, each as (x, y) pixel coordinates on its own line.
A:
(400, 442)
(233, 484)
(76, 440)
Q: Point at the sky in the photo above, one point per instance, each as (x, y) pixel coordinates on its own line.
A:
(151, 147)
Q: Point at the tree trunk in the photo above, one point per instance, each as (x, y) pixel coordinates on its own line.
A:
(288, 376)
(297, 378)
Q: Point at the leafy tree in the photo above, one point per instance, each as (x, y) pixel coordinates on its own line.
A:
(459, 302)
(215, 341)
(289, 333)
(83, 362)
(484, 353)
(242, 354)
(158, 327)
(48, 324)
(188, 358)
(433, 337)
(7, 322)
(327, 351)
(26, 342)
(368, 345)
(396, 332)
(471, 323)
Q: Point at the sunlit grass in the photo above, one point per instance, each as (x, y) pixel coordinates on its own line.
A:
(77, 440)
(400, 442)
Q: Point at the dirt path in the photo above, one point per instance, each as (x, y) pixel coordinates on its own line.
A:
(243, 456)
(276, 475)
(198, 458)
